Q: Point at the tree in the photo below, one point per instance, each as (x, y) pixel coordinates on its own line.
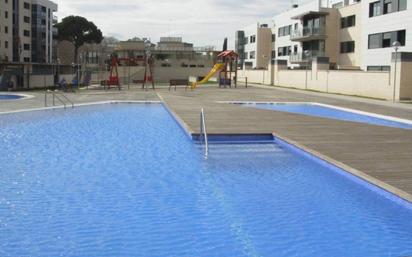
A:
(79, 31)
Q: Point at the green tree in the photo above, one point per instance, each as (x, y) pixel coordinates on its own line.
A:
(79, 31)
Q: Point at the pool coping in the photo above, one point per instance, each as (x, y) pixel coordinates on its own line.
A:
(82, 104)
(381, 188)
(371, 114)
(392, 193)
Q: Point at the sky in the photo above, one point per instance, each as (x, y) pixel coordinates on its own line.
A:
(202, 22)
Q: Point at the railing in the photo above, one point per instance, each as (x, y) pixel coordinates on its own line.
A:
(62, 98)
(301, 57)
(203, 132)
(307, 32)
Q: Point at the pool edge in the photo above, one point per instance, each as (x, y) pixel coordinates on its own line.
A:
(381, 188)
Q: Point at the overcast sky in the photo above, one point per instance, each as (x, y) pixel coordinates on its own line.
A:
(203, 22)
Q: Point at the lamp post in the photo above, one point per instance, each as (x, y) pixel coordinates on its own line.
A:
(396, 46)
(58, 70)
(264, 57)
(306, 53)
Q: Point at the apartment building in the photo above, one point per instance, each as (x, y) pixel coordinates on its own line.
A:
(168, 52)
(353, 34)
(383, 23)
(26, 30)
(253, 44)
(6, 30)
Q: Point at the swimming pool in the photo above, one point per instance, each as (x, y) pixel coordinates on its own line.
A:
(125, 180)
(333, 112)
(11, 97)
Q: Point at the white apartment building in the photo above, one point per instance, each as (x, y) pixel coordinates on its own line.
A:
(253, 43)
(353, 34)
(26, 31)
(383, 23)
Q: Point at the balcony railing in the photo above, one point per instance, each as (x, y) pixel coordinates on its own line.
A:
(302, 57)
(307, 32)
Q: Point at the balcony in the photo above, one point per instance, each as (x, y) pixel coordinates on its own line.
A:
(302, 58)
(308, 33)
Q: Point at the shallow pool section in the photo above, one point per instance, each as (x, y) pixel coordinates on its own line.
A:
(330, 113)
(10, 97)
(125, 180)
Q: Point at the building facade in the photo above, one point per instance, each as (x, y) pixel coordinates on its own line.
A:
(253, 43)
(26, 31)
(353, 34)
(6, 34)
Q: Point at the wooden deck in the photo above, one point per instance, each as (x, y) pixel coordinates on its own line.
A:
(379, 154)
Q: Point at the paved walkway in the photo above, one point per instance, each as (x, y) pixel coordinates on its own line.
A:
(382, 155)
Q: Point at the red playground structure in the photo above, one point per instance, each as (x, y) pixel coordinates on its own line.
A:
(230, 60)
(114, 74)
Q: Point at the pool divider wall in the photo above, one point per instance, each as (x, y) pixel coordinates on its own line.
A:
(389, 192)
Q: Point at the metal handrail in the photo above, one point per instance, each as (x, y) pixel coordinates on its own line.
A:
(66, 98)
(57, 95)
(204, 132)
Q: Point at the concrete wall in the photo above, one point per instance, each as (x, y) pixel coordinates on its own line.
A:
(372, 84)
(256, 76)
(332, 32)
(359, 83)
(41, 81)
(353, 33)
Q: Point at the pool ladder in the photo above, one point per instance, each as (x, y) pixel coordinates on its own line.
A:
(62, 98)
(203, 133)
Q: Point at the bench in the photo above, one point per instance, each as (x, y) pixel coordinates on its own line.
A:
(178, 82)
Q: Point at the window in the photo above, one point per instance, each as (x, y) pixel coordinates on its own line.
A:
(295, 48)
(347, 47)
(387, 6)
(402, 5)
(6, 14)
(26, 33)
(26, 6)
(284, 31)
(349, 21)
(252, 55)
(386, 39)
(253, 39)
(374, 9)
(26, 19)
(379, 68)
(43, 9)
(26, 59)
(26, 47)
(6, 44)
(273, 37)
(6, 30)
(284, 51)
(246, 40)
(273, 54)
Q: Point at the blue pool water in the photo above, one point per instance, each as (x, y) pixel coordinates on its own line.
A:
(124, 180)
(331, 113)
(10, 97)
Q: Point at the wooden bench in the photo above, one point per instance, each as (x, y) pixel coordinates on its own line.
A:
(179, 82)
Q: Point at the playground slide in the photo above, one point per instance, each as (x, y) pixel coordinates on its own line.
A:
(213, 71)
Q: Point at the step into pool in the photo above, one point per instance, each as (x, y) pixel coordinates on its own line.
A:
(333, 112)
(126, 180)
